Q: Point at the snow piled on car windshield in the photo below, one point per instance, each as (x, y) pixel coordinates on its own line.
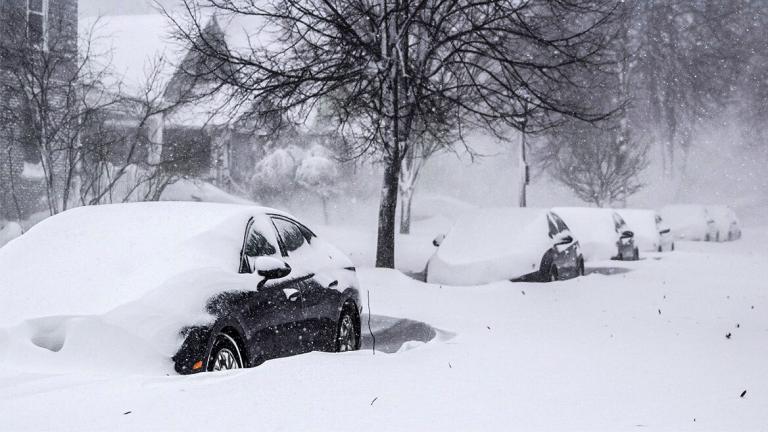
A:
(89, 260)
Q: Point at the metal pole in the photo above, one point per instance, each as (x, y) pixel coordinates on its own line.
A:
(524, 177)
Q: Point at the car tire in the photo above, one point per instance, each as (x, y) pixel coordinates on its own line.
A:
(225, 354)
(717, 237)
(581, 268)
(636, 254)
(672, 248)
(347, 335)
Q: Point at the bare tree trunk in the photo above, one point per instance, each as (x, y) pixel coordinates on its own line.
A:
(13, 185)
(385, 247)
(406, 198)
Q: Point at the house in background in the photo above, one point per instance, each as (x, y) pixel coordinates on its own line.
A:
(195, 134)
(29, 29)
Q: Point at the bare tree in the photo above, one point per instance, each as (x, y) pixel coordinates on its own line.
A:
(686, 55)
(121, 153)
(425, 143)
(386, 64)
(47, 84)
(600, 166)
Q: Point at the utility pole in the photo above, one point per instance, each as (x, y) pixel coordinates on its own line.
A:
(525, 177)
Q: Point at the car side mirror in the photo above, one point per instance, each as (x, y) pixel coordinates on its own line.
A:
(438, 240)
(270, 268)
(563, 239)
(627, 235)
(665, 231)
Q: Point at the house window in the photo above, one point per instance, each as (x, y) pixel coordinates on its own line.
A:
(36, 22)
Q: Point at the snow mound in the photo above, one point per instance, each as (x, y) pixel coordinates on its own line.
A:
(189, 190)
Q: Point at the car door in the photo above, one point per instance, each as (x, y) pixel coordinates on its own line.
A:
(273, 313)
(320, 293)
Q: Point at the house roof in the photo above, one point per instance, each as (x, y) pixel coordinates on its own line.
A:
(140, 50)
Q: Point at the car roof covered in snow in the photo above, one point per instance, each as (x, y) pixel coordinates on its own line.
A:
(91, 259)
(635, 217)
(489, 232)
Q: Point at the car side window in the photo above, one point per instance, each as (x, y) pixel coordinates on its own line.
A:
(292, 235)
(552, 227)
(561, 226)
(255, 244)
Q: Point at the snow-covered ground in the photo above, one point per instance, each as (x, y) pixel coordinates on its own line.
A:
(667, 343)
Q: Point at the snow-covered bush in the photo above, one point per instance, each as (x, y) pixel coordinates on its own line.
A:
(319, 174)
(274, 173)
(292, 169)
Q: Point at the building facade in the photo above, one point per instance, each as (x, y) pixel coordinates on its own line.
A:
(38, 49)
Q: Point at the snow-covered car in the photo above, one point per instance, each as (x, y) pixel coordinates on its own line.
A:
(602, 233)
(490, 245)
(210, 286)
(727, 223)
(651, 233)
(690, 222)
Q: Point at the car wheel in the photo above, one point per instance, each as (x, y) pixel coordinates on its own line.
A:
(225, 354)
(636, 254)
(706, 238)
(347, 338)
(673, 247)
(581, 268)
(717, 237)
(660, 249)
